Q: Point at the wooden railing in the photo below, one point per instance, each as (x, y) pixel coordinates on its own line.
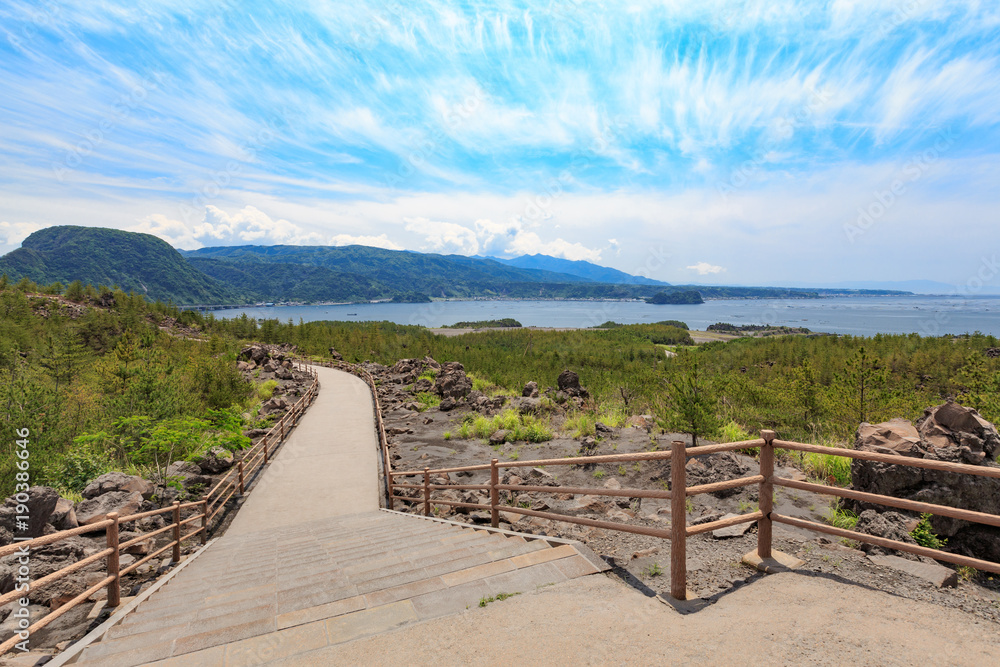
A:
(679, 531)
(204, 511)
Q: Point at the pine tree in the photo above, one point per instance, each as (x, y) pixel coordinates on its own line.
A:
(692, 404)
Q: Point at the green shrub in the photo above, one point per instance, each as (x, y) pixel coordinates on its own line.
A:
(733, 432)
(925, 536)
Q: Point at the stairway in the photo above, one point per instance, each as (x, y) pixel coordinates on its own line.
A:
(260, 597)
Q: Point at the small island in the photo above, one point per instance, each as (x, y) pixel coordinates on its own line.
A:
(505, 323)
(676, 298)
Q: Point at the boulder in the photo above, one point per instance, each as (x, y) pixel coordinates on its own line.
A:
(527, 405)
(93, 510)
(952, 425)
(890, 525)
(118, 481)
(64, 516)
(254, 353)
(452, 382)
(422, 385)
(716, 468)
(40, 502)
(499, 437)
(283, 373)
(447, 404)
(569, 383)
(647, 422)
(336, 356)
(530, 390)
(215, 461)
(898, 435)
(947, 432)
(187, 473)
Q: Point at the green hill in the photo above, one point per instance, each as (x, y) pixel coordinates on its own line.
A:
(135, 262)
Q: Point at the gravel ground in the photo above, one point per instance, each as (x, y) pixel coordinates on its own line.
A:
(714, 565)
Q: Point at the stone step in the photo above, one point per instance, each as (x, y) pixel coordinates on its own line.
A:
(342, 578)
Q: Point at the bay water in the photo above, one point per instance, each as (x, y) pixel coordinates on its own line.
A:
(860, 316)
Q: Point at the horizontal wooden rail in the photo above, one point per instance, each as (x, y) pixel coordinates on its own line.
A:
(440, 471)
(452, 503)
(723, 486)
(196, 517)
(52, 616)
(53, 538)
(609, 525)
(901, 503)
(457, 487)
(139, 563)
(895, 459)
(723, 447)
(585, 491)
(957, 559)
(724, 523)
(191, 534)
(163, 510)
(55, 576)
(144, 537)
(583, 460)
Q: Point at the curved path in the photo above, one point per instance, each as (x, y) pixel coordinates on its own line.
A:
(328, 467)
(310, 561)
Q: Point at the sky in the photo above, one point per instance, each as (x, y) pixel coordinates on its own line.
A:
(745, 142)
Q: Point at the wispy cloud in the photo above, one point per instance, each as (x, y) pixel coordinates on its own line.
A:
(428, 125)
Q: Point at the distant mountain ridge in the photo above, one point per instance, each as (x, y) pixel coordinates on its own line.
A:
(583, 269)
(314, 274)
(139, 263)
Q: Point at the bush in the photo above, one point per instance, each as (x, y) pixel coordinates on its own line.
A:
(926, 537)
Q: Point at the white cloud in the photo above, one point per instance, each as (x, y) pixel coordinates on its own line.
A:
(444, 236)
(380, 241)
(704, 268)
(12, 233)
(529, 243)
(249, 225)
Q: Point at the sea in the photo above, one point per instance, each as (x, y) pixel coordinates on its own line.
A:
(855, 315)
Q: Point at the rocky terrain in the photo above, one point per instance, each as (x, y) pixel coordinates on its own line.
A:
(127, 494)
(424, 435)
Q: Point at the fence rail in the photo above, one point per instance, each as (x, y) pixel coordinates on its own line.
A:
(248, 464)
(679, 531)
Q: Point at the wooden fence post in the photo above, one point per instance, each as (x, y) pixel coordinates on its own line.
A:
(264, 443)
(114, 586)
(766, 494)
(427, 491)
(204, 520)
(392, 492)
(177, 532)
(678, 521)
(494, 494)
(282, 422)
(242, 485)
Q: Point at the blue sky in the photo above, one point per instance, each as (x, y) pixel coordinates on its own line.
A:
(720, 142)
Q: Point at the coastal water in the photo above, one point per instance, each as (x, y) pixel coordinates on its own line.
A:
(865, 316)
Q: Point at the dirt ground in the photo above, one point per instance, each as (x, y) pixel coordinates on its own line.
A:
(714, 565)
(785, 619)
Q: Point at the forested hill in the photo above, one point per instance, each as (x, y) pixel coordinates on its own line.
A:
(139, 263)
(247, 274)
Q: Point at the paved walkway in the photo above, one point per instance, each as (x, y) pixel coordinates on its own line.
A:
(327, 468)
(310, 561)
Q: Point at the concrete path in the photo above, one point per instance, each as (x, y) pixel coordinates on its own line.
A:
(327, 468)
(310, 561)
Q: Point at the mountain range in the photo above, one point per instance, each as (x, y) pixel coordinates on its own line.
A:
(246, 274)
